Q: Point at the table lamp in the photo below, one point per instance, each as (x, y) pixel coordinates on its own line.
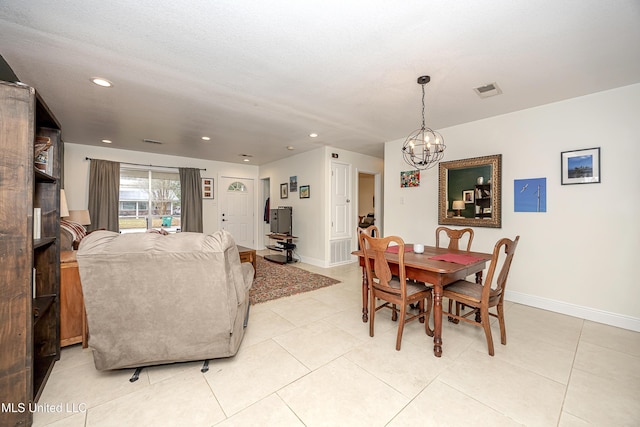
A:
(458, 205)
(64, 210)
(80, 216)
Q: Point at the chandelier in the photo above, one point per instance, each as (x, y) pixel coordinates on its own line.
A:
(424, 148)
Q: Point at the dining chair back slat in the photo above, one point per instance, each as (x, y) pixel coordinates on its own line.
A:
(455, 236)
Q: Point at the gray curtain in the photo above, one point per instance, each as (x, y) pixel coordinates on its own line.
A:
(191, 200)
(104, 192)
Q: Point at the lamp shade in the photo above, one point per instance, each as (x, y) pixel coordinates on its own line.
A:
(64, 209)
(458, 205)
(81, 217)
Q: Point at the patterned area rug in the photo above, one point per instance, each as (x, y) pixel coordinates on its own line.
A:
(275, 281)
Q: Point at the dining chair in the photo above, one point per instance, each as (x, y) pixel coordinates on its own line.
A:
(455, 236)
(481, 297)
(396, 291)
(371, 230)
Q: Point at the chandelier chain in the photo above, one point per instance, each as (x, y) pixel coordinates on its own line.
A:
(424, 126)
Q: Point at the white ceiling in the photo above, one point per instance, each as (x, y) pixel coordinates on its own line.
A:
(257, 77)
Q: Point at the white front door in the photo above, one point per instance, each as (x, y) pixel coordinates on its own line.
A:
(236, 209)
(340, 200)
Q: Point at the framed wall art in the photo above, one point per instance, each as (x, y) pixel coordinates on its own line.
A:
(284, 191)
(293, 183)
(304, 192)
(410, 179)
(207, 188)
(581, 166)
(530, 195)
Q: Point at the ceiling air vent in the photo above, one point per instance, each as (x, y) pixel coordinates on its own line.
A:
(152, 141)
(488, 90)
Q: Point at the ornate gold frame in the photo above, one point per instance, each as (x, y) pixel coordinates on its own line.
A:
(495, 221)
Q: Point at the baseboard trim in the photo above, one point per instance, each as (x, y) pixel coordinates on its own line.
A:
(313, 261)
(587, 313)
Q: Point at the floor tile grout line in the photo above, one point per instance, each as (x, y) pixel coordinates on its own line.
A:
(573, 361)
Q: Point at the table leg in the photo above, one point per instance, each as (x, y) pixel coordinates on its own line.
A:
(437, 320)
(365, 296)
(479, 282)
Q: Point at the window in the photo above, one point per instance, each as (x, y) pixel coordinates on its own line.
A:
(237, 186)
(148, 199)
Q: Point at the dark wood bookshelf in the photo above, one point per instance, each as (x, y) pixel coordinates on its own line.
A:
(30, 284)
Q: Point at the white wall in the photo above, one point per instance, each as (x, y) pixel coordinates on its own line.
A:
(312, 217)
(76, 175)
(308, 218)
(577, 258)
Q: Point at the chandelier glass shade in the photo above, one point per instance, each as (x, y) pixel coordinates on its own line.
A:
(424, 148)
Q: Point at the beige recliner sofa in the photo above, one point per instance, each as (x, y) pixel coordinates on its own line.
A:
(153, 299)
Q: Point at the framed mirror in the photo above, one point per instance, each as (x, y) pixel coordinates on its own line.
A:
(470, 192)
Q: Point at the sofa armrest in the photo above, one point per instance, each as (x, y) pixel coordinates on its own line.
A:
(247, 273)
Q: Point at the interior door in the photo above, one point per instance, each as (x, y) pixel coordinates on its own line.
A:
(340, 200)
(236, 209)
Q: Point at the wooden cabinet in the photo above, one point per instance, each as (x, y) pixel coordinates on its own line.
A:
(73, 320)
(30, 279)
(248, 255)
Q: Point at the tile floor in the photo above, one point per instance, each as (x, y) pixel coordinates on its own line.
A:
(308, 360)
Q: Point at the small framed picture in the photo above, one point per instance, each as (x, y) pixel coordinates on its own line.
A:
(530, 195)
(293, 183)
(468, 196)
(304, 192)
(284, 191)
(410, 179)
(581, 166)
(207, 188)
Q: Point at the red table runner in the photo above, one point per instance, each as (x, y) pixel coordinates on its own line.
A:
(456, 258)
(395, 249)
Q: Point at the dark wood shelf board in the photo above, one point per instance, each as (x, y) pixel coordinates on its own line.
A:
(42, 177)
(39, 243)
(42, 368)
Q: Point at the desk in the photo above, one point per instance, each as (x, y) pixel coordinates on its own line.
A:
(437, 273)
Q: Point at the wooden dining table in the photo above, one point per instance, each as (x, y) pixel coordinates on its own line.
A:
(422, 268)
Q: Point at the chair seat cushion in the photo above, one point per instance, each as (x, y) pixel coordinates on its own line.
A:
(470, 290)
(412, 287)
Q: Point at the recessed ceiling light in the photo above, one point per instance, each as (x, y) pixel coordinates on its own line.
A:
(245, 160)
(206, 138)
(107, 141)
(290, 148)
(313, 135)
(101, 82)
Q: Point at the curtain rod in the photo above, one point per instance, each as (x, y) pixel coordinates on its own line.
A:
(140, 164)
